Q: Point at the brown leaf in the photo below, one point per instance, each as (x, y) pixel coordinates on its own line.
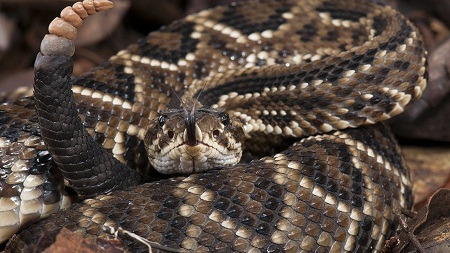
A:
(67, 241)
(431, 226)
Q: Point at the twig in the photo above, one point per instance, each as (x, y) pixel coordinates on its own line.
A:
(408, 231)
(120, 231)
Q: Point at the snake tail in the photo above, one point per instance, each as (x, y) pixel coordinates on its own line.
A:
(87, 166)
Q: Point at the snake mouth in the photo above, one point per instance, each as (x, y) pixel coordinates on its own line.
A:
(196, 146)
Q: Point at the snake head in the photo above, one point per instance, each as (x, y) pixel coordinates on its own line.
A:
(183, 142)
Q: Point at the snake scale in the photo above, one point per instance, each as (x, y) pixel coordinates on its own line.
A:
(314, 78)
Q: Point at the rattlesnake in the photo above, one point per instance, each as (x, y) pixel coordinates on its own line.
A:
(285, 69)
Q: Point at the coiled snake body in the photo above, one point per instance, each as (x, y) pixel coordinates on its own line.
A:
(287, 70)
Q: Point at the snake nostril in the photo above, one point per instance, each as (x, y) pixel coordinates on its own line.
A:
(170, 134)
(216, 133)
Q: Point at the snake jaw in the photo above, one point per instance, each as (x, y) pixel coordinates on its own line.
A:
(218, 141)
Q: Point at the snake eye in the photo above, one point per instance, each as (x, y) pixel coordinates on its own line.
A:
(161, 120)
(224, 118)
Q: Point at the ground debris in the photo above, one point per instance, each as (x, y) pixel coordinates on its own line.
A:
(428, 231)
(67, 241)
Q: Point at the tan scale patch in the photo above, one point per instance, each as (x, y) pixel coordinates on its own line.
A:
(160, 39)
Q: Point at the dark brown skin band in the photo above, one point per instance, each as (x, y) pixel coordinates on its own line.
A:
(190, 128)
